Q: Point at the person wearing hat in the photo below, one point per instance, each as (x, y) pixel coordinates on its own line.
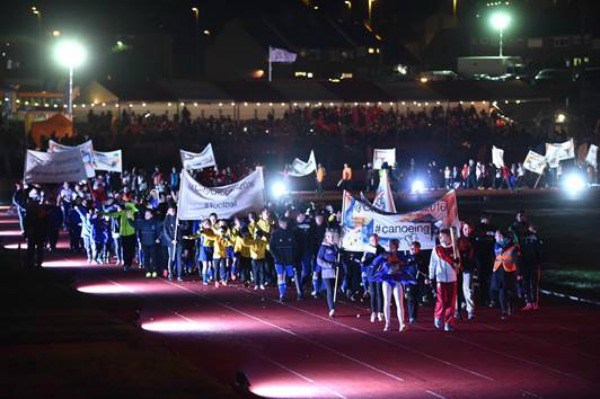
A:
(283, 248)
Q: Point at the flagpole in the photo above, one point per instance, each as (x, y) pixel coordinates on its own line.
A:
(270, 66)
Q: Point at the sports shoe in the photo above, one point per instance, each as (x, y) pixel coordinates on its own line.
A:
(380, 316)
(314, 294)
(154, 274)
(179, 279)
(223, 282)
(216, 284)
(402, 328)
(411, 321)
(331, 312)
(471, 315)
(281, 298)
(529, 306)
(262, 287)
(148, 275)
(256, 288)
(386, 327)
(448, 327)
(535, 306)
(437, 323)
(373, 317)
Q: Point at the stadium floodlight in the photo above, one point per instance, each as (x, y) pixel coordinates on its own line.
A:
(279, 189)
(500, 20)
(574, 184)
(71, 55)
(417, 187)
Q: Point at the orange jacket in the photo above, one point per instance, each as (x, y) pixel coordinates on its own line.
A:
(506, 259)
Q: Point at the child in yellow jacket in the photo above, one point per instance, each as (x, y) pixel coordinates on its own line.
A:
(258, 249)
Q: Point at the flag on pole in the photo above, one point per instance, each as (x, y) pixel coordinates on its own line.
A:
(281, 55)
(299, 168)
(204, 159)
(535, 162)
(497, 157)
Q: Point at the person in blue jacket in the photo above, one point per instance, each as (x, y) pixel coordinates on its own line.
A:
(392, 269)
(283, 249)
(327, 261)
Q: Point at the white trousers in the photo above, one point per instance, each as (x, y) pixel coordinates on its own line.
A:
(398, 291)
(467, 288)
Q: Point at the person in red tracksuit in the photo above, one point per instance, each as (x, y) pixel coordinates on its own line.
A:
(443, 267)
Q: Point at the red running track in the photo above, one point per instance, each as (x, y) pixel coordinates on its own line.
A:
(293, 350)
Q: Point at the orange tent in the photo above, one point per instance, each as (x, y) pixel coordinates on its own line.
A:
(58, 125)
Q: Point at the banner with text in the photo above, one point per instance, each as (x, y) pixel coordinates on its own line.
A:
(384, 155)
(193, 160)
(196, 202)
(87, 154)
(497, 157)
(535, 162)
(360, 221)
(111, 161)
(384, 198)
(57, 167)
(556, 152)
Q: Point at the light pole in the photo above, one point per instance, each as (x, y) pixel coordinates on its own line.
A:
(71, 55)
(196, 42)
(500, 21)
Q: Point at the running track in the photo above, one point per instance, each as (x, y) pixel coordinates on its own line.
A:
(293, 350)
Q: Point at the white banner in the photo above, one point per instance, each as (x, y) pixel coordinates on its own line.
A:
(204, 159)
(556, 152)
(535, 162)
(384, 198)
(196, 202)
(111, 161)
(281, 55)
(360, 221)
(87, 153)
(57, 167)
(592, 156)
(384, 155)
(299, 168)
(497, 157)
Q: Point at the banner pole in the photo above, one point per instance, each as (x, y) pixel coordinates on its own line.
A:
(270, 66)
(538, 180)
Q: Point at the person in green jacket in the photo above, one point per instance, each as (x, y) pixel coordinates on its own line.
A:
(126, 216)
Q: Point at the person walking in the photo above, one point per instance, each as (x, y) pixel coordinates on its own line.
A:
(127, 233)
(320, 178)
(346, 182)
(504, 276)
(149, 236)
(443, 267)
(328, 262)
(531, 259)
(283, 249)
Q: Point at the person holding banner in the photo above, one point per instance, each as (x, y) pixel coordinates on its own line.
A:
(392, 270)
(126, 218)
(443, 269)
(328, 262)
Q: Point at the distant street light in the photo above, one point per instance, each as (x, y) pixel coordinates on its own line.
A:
(71, 55)
(500, 21)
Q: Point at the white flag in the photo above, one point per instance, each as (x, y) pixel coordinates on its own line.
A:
(57, 167)
(281, 55)
(497, 157)
(196, 202)
(535, 162)
(87, 153)
(111, 161)
(193, 160)
(556, 152)
(592, 156)
(384, 198)
(384, 155)
(300, 168)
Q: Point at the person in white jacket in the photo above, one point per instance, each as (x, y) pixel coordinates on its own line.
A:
(443, 268)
